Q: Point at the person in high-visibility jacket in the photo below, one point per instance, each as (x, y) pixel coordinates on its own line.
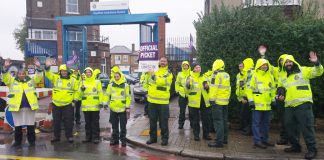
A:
(64, 89)
(198, 102)
(144, 83)
(76, 75)
(180, 89)
(298, 102)
(242, 80)
(219, 94)
(158, 98)
(115, 69)
(96, 73)
(261, 93)
(118, 96)
(91, 94)
(22, 100)
(280, 105)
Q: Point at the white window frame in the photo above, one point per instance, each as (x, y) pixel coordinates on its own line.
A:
(68, 3)
(125, 58)
(118, 60)
(39, 4)
(32, 34)
(77, 36)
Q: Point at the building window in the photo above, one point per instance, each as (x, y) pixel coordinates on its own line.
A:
(125, 58)
(75, 36)
(39, 4)
(38, 34)
(93, 53)
(248, 3)
(72, 7)
(135, 60)
(48, 34)
(117, 59)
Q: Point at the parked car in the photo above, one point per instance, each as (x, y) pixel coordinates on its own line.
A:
(136, 75)
(104, 78)
(131, 80)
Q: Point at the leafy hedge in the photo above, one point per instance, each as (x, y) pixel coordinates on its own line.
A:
(233, 34)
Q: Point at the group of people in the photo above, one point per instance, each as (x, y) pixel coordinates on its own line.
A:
(71, 91)
(259, 89)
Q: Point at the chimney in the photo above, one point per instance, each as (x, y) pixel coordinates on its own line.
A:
(133, 48)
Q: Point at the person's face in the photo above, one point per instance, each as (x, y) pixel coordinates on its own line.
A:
(21, 75)
(289, 64)
(262, 49)
(241, 66)
(88, 73)
(264, 67)
(197, 69)
(116, 76)
(64, 73)
(185, 67)
(163, 62)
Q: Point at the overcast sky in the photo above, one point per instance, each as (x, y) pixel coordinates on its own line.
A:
(181, 12)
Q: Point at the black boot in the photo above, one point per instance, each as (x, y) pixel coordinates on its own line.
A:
(18, 137)
(151, 141)
(31, 136)
(310, 154)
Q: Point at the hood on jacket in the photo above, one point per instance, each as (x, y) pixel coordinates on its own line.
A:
(189, 68)
(278, 61)
(218, 65)
(261, 62)
(291, 58)
(90, 69)
(248, 64)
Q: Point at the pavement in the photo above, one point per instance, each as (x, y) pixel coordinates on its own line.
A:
(181, 141)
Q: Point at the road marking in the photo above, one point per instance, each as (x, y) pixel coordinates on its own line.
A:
(146, 132)
(8, 157)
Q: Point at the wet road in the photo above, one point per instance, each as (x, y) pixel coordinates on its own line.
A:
(44, 149)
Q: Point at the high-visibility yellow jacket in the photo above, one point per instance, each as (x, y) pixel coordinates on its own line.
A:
(220, 87)
(243, 78)
(297, 83)
(159, 86)
(144, 80)
(195, 90)
(92, 96)
(64, 89)
(17, 88)
(118, 95)
(261, 90)
(278, 70)
(181, 80)
(78, 81)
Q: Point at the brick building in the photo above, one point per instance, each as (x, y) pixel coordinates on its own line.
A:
(125, 58)
(41, 24)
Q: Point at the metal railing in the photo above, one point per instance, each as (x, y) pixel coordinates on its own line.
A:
(251, 3)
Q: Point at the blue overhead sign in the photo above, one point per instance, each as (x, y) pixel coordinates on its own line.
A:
(109, 7)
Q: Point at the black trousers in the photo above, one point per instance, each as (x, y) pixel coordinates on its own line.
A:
(77, 115)
(92, 124)
(65, 114)
(159, 112)
(202, 114)
(31, 136)
(145, 104)
(118, 120)
(281, 114)
(183, 102)
(246, 117)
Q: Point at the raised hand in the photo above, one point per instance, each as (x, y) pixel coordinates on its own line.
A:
(48, 62)
(7, 63)
(313, 57)
(37, 63)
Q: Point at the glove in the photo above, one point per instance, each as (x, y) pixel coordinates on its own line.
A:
(252, 107)
(281, 91)
(83, 89)
(273, 105)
